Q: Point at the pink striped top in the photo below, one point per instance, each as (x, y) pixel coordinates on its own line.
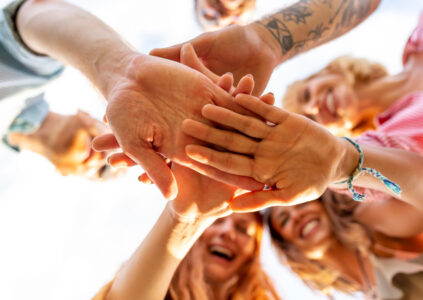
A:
(415, 41)
(401, 126)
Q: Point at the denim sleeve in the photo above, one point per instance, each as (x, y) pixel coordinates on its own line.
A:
(16, 48)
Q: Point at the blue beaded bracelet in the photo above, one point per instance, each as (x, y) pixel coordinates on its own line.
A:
(392, 186)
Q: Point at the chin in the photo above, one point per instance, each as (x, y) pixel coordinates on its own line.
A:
(217, 273)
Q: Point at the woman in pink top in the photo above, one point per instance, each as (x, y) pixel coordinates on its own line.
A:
(351, 96)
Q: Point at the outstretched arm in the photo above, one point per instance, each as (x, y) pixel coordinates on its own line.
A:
(148, 273)
(148, 97)
(310, 23)
(259, 47)
(295, 156)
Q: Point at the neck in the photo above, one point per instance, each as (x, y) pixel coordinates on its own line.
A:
(345, 260)
(221, 290)
(382, 93)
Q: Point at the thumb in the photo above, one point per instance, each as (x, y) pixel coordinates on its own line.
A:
(157, 170)
(189, 58)
(172, 53)
(255, 201)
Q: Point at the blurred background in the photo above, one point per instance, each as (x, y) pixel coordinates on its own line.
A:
(64, 237)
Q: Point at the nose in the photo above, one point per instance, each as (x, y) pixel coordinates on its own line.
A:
(227, 229)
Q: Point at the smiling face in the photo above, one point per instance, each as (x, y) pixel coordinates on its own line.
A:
(216, 14)
(306, 226)
(327, 98)
(228, 244)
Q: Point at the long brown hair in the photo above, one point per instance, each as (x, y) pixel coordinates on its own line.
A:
(189, 281)
(340, 209)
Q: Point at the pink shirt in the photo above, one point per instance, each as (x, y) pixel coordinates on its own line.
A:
(401, 126)
(415, 41)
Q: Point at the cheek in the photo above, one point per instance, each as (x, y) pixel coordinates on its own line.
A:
(248, 249)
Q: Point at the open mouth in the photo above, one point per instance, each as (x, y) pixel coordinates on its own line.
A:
(308, 228)
(222, 252)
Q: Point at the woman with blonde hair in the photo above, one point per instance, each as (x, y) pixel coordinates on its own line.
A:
(353, 95)
(335, 243)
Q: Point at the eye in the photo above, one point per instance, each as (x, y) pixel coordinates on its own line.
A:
(306, 95)
(284, 221)
(241, 228)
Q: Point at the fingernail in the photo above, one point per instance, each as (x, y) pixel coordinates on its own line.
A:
(229, 73)
(250, 75)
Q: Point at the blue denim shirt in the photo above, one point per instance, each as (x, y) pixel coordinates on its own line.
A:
(20, 68)
(23, 74)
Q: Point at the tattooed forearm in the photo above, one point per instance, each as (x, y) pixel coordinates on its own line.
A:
(309, 23)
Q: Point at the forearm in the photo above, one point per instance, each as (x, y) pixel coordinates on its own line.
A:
(147, 275)
(402, 167)
(309, 23)
(75, 37)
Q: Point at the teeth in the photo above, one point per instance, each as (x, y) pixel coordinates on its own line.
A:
(222, 251)
(309, 227)
(330, 103)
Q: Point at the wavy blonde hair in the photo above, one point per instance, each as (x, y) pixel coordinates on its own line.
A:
(357, 71)
(354, 235)
(189, 282)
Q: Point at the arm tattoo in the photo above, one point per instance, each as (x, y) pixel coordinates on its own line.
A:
(303, 25)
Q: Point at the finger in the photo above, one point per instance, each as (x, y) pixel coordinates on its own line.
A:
(105, 142)
(245, 85)
(247, 125)
(227, 162)
(172, 53)
(258, 200)
(227, 139)
(243, 182)
(156, 168)
(226, 82)
(223, 99)
(189, 58)
(268, 98)
(145, 179)
(120, 160)
(267, 112)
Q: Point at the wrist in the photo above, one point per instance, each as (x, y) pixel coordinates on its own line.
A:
(268, 42)
(185, 231)
(348, 161)
(112, 65)
(185, 217)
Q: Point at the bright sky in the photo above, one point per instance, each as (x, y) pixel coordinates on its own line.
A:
(64, 237)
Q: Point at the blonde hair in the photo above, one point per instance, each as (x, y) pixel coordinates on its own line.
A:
(355, 236)
(189, 281)
(357, 72)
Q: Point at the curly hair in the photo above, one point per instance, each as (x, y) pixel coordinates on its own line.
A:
(189, 282)
(340, 209)
(357, 72)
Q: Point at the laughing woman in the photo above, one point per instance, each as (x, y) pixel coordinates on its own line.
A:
(335, 243)
(352, 95)
(196, 250)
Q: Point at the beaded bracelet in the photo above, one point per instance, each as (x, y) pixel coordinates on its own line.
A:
(392, 186)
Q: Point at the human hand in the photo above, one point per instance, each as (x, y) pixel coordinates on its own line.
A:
(291, 154)
(66, 142)
(145, 111)
(237, 49)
